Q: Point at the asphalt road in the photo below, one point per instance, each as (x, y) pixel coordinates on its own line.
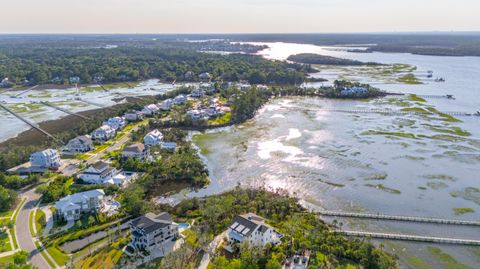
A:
(24, 238)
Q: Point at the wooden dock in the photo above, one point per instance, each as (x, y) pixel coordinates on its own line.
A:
(30, 123)
(64, 110)
(415, 238)
(90, 102)
(399, 218)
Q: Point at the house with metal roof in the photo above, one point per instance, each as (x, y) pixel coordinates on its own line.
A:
(136, 151)
(98, 173)
(72, 206)
(79, 144)
(252, 229)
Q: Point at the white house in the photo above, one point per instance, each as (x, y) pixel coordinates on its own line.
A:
(48, 158)
(98, 173)
(155, 234)
(70, 207)
(205, 76)
(197, 93)
(5, 83)
(116, 123)
(136, 151)
(74, 80)
(252, 229)
(166, 105)
(103, 133)
(133, 115)
(80, 144)
(153, 138)
(150, 110)
(180, 99)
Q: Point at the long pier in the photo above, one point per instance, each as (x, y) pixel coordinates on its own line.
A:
(25, 91)
(64, 110)
(32, 124)
(398, 112)
(89, 102)
(415, 238)
(398, 218)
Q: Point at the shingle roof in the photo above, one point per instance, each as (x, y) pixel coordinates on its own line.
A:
(151, 222)
(100, 165)
(138, 147)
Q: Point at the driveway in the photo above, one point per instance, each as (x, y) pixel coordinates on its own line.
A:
(211, 249)
(22, 230)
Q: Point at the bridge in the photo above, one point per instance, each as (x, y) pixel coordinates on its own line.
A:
(415, 238)
(399, 112)
(25, 91)
(64, 110)
(398, 218)
(32, 124)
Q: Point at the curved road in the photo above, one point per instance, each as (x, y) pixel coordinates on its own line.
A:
(22, 230)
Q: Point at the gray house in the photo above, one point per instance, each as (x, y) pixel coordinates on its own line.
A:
(80, 144)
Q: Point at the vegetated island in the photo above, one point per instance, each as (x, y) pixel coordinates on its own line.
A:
(311, 58)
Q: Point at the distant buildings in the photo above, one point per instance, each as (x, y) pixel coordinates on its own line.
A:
(204, 76)
(153, 234)
(103, 133)
(72, 206)
(354, 91)
(180, 99)
(171, 146)
(5, 83)
(116, 123)
(153, 138)
(136, 151)
(80, 144)
(74, 80)
(252, 229)
(166, 105)
(48, 159)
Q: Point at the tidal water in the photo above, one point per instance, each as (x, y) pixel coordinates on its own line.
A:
(404, 165)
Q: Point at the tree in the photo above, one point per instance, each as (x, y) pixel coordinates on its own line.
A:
(20, 257)
(7, 199)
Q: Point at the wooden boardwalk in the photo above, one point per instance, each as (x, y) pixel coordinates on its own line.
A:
(90, 102)
(399, 218)
(399, 112)
(32, 124)
(64, 110)
(415, 238)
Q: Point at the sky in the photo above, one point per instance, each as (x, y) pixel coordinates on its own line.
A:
(237, 16)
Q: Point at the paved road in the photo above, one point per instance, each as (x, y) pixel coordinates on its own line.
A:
(24, 238)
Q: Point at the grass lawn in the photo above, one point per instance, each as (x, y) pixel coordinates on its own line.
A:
(30, 223)
(4, 243)
(40, 221)
(44, 255)
(6, 214)
(6, 260)
(59, 257)
(221, 120)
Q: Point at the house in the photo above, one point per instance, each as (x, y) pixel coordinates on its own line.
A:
(103, 133)
(153, 138)
(252, 229)
(154, 234)
(122, 179)
(116, 123)
(171, 146)
(98, 173)
(133, 115)
(195, 114)
(136, 151)
(74, 80)
(80, 144)
(205, 76)
(57, 80)
(244, 86)
(208, 88)
(5, 83)
(189, 75)
(48, 158)
(150, 110)
(197, 93)
(166, 105)
(70, 207)
(354, 91)
(180, 99)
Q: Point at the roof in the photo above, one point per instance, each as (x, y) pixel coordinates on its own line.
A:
(83, 139)
(100, 165)
(247, 223)
(138, 147)
(151, 222)
(80, 197)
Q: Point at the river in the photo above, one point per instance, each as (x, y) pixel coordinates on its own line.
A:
(405, 165)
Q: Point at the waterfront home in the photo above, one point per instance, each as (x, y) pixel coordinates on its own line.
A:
(195, 114)
(150, 110)
(133, 115)
(122, 179)
(252, 229)
(166, 105)
(244, 86)
(74, 80)
(153, 138)
(189, 75)
(98, 173)
(208, 88)
(49, 159)
(117, 123)
(136, 151)
(103, 133)
(170, 146)
(57, 80)
(153, 235)
(5, 83)
(262, 87)
(80, 144)
(180, 99)
(72, 206)
(205, 76)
